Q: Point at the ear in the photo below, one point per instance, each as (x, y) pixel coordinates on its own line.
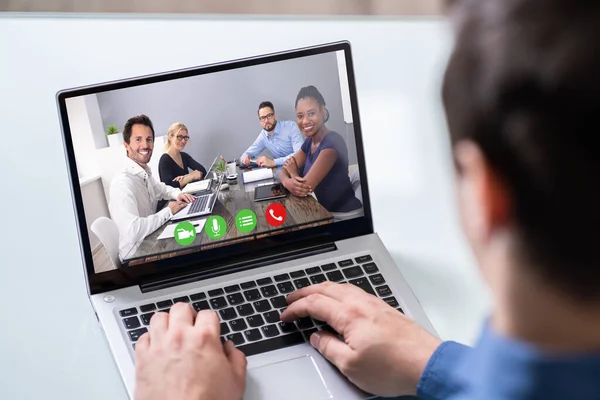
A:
(484, 197)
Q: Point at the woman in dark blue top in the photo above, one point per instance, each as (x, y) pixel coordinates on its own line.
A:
(321, 165)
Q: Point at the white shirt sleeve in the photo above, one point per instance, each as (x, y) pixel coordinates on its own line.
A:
(124, 212)
(165, 191)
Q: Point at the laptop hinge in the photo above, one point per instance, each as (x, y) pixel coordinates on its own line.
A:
(238, 266)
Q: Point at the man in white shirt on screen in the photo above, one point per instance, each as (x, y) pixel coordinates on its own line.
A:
(134, 193)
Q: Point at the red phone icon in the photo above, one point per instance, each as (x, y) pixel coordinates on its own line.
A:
(275, 214)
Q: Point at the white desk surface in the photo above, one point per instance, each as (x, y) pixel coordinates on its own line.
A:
(50, 343)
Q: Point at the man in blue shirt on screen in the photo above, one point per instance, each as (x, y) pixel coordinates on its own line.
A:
(282, 138)
(522, 100)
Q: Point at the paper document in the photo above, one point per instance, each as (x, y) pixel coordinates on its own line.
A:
(169, 231)
(197, 186)
(257, 175)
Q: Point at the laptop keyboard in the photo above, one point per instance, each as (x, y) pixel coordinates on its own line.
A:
(249, 312)
(199, 204)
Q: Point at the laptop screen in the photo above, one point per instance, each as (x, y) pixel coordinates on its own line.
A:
(166, 167)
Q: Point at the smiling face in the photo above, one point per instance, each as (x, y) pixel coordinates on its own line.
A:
(180, 139)
(140, 145)
(310, 117)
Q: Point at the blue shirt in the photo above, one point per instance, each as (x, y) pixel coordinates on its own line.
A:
(335, 191)
(284, 143)
(503, 368)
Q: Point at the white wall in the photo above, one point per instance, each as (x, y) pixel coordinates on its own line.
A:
(96, 207)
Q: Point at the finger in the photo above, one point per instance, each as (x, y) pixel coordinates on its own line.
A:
(208, 319)
(236, 358)
(181, 314)
(143, 343)
(340, 292)
(319, 307)
(158, 325)
(331, 347)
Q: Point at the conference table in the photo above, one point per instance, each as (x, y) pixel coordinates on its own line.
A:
(301, 212)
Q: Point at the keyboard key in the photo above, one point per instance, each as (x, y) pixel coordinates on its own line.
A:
(146, 318)
(148, 307)
(248, 285)
(264, 281)
(269, 291)
(370, 268)
(285, 287)
(363, 259)
(165, 310)
(364, 284)
(275, 343)
(232, 289)
(272, 316)
(224, 328)
(316, 279)
(164, 303)
(201, 305)
(282, 277)
(255, 321)
(307, 333)
(345, 263)
(399, 309)
(313, 270)
(297, 274)
(182, 299)
(252, 295)
(287, 327)
(300, 283)
(238, 325)
(198, 296)
(383, 291)
(329, 329)
(218, 302)
(328, 267)
(135, 335)
(236, 338)
(227, 314)
(131, 322)
(253, 335)
(352, 272)
(279, 302)
(262, 305)
(128, 312)
(391, 301)
(270, 330)
(377, 279)
(235, 299)
(304, 323)
(245, 309)
(335, 276)
(215, 292)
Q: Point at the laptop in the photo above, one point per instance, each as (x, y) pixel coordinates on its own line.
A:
(202, 205)
(244, 275)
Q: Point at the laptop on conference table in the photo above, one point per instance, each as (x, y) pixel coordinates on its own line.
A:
(245, 281)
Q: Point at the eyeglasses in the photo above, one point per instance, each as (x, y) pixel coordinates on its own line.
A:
(265, 117)
(186, 138)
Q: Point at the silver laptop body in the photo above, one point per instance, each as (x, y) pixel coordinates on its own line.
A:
(251, 276)
(202, 205)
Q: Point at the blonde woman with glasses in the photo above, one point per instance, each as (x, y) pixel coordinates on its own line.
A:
(177, 168)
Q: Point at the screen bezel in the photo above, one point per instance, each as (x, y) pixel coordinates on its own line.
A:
(211, 259)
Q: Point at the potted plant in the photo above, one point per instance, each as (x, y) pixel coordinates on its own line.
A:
(220, 167)
(115, 137)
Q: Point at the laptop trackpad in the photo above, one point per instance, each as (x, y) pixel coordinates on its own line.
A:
(294, 379)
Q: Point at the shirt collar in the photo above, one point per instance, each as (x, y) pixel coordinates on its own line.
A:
(133, 168)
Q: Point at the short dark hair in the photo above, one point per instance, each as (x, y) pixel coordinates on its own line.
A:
(265, 104)
(523, 84)
(138, 119)
(313, 93)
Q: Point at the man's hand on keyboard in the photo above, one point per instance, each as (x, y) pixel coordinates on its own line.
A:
(181, 357)
(383, 352)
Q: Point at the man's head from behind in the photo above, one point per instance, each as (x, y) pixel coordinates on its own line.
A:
(522, 100)
(138, 137)
(266, 116)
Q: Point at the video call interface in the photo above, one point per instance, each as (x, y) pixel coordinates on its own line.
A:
(197, 163)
